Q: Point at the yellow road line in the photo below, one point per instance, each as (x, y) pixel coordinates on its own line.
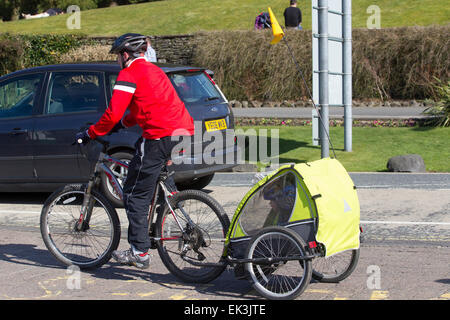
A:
(445, 296)
(379, 295)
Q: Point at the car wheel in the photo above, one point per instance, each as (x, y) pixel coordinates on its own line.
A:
(197, 184)
(121, 175)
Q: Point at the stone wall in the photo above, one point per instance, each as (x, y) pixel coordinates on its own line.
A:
(177, 49)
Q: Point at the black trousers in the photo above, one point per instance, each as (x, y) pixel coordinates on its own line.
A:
(143, 173)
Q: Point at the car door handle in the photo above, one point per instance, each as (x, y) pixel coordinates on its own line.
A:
(16, 131)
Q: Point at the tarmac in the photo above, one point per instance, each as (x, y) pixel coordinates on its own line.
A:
(358, 113)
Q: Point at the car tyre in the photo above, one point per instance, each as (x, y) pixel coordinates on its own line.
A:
(120, 174)
(196, 184)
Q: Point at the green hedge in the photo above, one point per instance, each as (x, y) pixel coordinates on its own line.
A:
(11, 54)
(398, 63)
(25, 51)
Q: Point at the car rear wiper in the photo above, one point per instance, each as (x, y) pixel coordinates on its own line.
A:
(212, 98)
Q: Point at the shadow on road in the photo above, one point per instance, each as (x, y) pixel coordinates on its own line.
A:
(226, 285)
(28, 255)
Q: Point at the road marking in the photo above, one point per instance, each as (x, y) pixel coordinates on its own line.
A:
(430, 186)
(406, 222)
(137, 281)
(379, 295)
(180, 296)
(120, 294)
(146, 294)
(362, 221)
(318, 291)
(445, 296)
(19, 212)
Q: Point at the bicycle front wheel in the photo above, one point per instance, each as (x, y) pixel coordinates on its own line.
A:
(89, 247)
(193, 253)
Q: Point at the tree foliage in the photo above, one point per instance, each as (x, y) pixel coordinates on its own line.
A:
(12, 9)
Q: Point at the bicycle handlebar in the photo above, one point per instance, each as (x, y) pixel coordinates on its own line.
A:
(98, 139)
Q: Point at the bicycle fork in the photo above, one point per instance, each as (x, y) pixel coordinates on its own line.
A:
(86, 208)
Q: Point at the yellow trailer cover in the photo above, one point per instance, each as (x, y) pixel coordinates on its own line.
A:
(337, 204)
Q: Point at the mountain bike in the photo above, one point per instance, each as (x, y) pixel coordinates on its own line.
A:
(81, 227)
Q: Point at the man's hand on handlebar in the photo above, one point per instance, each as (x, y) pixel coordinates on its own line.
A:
(82, 137)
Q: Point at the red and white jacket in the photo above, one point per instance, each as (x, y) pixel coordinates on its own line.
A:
(154, 105)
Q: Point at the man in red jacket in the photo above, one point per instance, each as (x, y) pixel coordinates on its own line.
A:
(153, 104)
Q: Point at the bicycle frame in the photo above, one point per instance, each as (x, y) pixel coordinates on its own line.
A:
(101, 166)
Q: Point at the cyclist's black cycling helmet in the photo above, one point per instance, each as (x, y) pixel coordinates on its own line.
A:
(133, 43)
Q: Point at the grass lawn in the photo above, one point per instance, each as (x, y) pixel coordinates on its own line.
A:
(189, 16)
(372, 146)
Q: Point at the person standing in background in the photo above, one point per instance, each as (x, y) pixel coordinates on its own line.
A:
(150, 54)
(293, 16)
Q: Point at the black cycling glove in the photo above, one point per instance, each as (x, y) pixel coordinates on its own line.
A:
(82, 137)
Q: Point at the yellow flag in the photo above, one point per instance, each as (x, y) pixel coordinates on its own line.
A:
(276, 29)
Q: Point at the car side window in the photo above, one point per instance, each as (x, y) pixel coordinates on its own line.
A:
(74, 92)
(112, 81)
(17, 96)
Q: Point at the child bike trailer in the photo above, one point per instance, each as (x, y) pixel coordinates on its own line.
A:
(290, 217)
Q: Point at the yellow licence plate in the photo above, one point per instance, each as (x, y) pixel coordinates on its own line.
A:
(214, 125)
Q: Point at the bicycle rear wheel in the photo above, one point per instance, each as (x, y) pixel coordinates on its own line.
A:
(284, 278)
(92, 246)
(198, 255)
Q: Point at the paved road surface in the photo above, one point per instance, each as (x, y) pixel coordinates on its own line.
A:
(360, 113)
(406, 246)
(361, 180)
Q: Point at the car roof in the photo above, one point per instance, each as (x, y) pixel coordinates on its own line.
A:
(105, 66)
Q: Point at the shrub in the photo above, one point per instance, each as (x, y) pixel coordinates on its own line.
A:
(249, 68)
(85, 53)
(24, 51)
(395, 63)
(441, 108)
(400, 63)
(11, 53)
(45, 49)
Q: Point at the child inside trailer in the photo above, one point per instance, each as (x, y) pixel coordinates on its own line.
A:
(281, 194)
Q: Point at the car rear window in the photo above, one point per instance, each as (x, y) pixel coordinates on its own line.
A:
(195, 87)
